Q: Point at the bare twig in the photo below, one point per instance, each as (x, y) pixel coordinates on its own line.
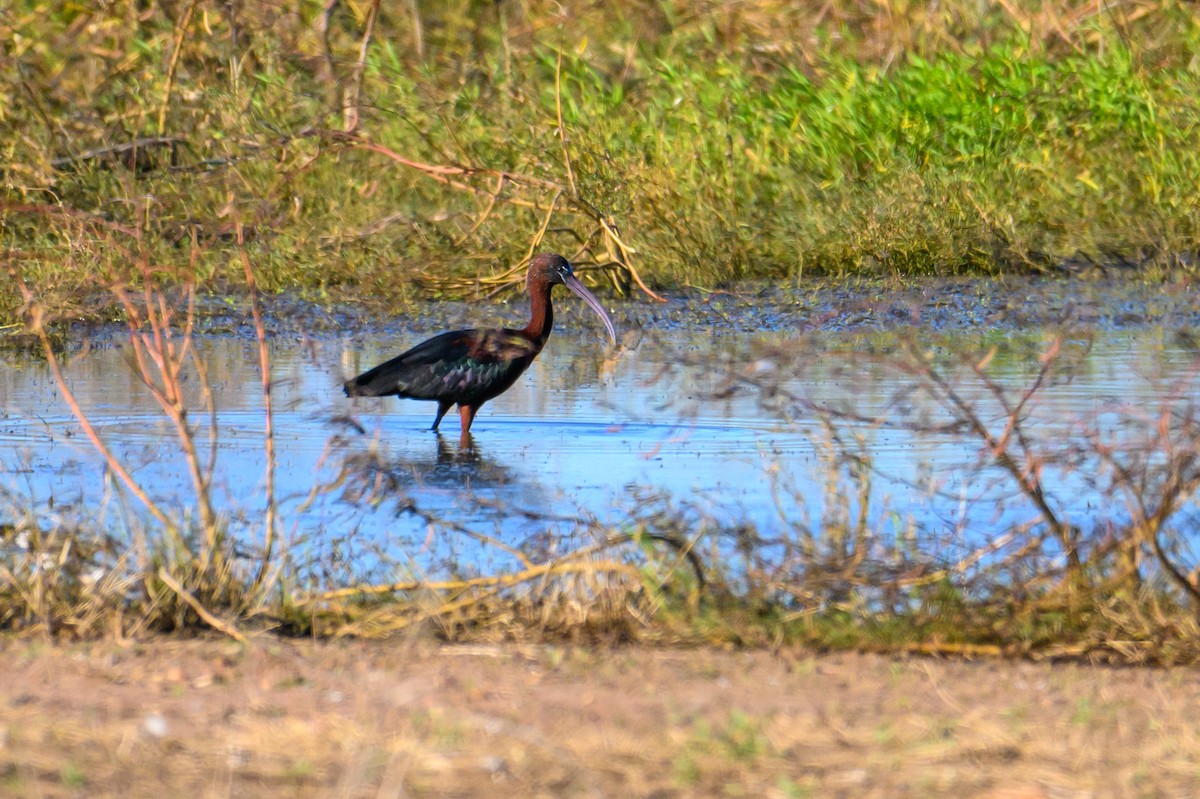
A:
(70, 214)
(36, 320)
(176, 50)
(562, 129)
(209, 618)
(353, 91)
(1026, 474)
(129, 153)
(264, 368)
(158, 360)
(326, 74)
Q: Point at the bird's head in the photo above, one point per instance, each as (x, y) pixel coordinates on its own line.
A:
(548, 268)
(551, 269)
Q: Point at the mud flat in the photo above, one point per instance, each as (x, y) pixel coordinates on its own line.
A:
(287, 718)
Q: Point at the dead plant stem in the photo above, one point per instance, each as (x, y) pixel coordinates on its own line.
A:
(204, 613)
(562, 129)
(351, 114)
(264, 369)
(113, 463)
(177, 48)
(157, 347)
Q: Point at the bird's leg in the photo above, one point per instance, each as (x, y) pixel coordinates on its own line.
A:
(467, 414)
(443, 406)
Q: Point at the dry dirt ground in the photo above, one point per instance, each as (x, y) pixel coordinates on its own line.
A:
(209, 718)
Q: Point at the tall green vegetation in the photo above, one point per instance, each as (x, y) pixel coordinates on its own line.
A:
(756, 139)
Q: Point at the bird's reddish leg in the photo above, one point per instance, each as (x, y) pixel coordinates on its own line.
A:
(467, 414)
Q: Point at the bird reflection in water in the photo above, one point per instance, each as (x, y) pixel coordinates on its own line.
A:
(373, 475)
(465, 463)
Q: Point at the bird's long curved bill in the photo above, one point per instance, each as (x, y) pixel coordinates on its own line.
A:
(572, 282)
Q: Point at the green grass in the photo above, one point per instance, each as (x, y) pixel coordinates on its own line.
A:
(762, 142)
(72, 776)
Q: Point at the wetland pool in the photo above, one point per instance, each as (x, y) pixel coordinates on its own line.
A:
(588, 433)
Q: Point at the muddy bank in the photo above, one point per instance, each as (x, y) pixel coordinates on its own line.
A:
(211, 719)
(1001, 304)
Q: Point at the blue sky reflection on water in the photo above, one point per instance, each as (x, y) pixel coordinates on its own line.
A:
(583, 433)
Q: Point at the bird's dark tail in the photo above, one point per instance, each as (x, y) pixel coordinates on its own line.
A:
(374, 383)
(353, 389)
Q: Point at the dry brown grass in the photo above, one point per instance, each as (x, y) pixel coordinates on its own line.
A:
(211, 719)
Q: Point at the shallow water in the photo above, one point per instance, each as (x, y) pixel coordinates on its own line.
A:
(587, 432)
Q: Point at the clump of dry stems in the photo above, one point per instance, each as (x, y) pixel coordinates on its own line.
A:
(1122, 583)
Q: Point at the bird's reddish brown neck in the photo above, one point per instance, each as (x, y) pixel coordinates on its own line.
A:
(541, 319)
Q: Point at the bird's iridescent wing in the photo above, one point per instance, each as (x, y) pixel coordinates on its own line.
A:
(460, 363)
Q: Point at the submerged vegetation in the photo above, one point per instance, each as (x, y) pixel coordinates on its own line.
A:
(391, 151)
(663, 143)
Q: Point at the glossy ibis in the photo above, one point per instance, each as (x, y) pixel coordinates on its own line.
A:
(469, 367)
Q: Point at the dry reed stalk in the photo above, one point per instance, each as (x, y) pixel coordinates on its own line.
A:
(456, 596)
(1072, 24)
(353, 91)
(36, 320)
(326, 73)
(177, 48)
(563, 139)
(207, 616)
(971, 559)
(566, 564)
(418, 28)
(483, 216)
(492, 581)
(264, 370)
(1156, 483)
(69, 214)
(159, 360)
(1026, 467)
